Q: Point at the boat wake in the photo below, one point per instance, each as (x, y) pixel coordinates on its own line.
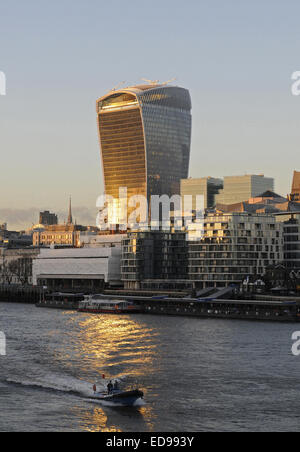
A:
(67, 385)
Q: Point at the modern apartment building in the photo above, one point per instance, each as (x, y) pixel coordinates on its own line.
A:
(151, 256)
(291, 236)
(145, 138)
(234, 246)
(241, 188)
(208, 187)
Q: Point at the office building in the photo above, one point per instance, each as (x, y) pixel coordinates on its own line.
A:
(145, 138)
(208, 187)
(241, 188)
(48, 219)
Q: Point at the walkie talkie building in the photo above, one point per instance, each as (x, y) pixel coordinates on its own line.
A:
(145, 138)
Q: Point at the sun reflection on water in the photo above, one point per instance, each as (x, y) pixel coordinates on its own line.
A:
(122, 347)
(117, 341)
(112, 421)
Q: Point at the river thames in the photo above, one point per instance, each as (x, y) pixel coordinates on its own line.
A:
(197, 374)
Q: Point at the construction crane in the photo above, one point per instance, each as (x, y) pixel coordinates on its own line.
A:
(151, 82)
(118, 86)
(157, 82)
(169, 81)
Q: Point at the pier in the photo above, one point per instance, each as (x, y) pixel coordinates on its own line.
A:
(284, 310)
(279, 309)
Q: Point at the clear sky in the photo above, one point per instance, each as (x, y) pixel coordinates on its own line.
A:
(236, 57)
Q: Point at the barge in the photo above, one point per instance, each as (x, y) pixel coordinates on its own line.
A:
(96, 305)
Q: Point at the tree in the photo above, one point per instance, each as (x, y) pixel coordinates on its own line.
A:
(6, 275)
(22, 269)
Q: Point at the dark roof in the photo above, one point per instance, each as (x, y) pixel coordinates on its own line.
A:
(269, 194)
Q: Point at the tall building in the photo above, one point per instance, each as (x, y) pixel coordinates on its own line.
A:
(145, 137)
(48, 219)
(296, 187)
(241, 188)
(208, 187)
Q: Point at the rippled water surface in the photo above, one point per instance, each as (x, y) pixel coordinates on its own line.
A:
(197, 375)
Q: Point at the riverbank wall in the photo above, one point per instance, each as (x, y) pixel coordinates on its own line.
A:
(20, 294)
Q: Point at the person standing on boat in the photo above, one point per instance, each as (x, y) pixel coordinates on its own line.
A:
(110, 387)
(116, 386)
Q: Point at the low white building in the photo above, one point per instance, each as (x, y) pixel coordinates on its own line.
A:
(78, 268)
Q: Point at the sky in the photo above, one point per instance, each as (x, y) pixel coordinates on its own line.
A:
(236, 57)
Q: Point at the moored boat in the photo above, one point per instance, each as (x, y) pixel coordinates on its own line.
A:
(96, 305)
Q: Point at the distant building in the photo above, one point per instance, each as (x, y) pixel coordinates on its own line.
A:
(94, 240)
(14, 239)
(234, 247)
(84, 269)
(208, 187)
(296, 187)
(241, 188)
(48, 219)
(63, 235)
(268, 203)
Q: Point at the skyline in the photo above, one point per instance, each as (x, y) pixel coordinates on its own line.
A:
(236, 60)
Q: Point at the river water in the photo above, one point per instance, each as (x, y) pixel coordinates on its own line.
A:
(197, 374)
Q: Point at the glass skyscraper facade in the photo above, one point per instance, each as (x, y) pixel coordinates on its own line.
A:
(145, 138)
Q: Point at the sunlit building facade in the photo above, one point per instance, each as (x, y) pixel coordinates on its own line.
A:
(145, 137)
(234, 247)
(296, 187)
(241, 188)
(208, 187)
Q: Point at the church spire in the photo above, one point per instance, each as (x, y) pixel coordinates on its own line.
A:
(70, 217)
